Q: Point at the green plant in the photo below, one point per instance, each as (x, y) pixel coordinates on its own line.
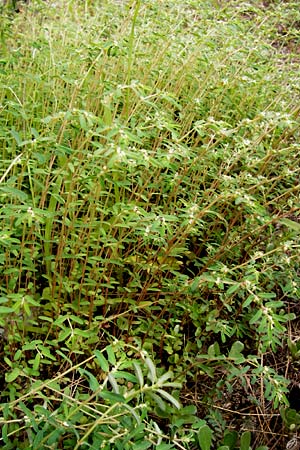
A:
(149, 197)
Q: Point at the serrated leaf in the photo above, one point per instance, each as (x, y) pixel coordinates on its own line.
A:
(102, 361)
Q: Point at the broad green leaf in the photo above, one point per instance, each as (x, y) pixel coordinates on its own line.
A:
(46, 352)
(205, 437)
(17, 137)
(42, 411)
(6, 310)
(102, 361)
(236, 349)
(125, 375)
(245, 441)
(169, 397)
(11, 376)
(64, 334)
(230, 439)
(188, 410)
(112, 396)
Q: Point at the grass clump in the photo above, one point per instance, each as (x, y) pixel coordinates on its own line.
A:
(149, 225)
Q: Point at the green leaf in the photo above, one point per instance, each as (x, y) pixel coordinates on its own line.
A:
(291, 224)
(11, 376)
(256, 316)
(166, 376)
(245, 441)
(125, 375)
(30, 416)
(230, 439)
(169, 397)
(142, 445)
(4, 433)
(46, 352)
(17, 137)
(248, 300)
(152, 370)
(158, 400)
(6, 310)
(205, 437)
(236, 349)
(102, 361)
(139, 374)
(111, 355)
(233, 288)
(94, 385)
(112, 397)
(113, 383)
(36, 362)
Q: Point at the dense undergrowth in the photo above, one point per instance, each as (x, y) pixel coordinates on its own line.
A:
(150, 223)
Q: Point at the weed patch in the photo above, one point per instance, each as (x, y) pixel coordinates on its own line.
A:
(149, 241)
